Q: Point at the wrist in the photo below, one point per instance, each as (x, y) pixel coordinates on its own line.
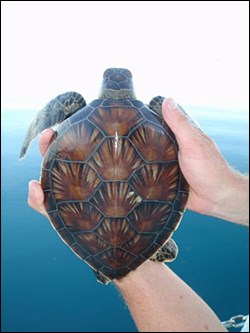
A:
(232, 203)
(140, 276)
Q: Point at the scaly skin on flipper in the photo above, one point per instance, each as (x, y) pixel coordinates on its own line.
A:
(168, 252)
(101, 278)
(55, 112)
(156, 104)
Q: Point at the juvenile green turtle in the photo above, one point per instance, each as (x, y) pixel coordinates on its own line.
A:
(113, 188)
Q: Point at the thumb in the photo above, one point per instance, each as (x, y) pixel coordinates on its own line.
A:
(183, 127)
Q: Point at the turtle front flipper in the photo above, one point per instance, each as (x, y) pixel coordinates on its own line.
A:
(55, 112)
(156, 104)
(168, 252)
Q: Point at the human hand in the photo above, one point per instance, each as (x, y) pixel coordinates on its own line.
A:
(215, 188)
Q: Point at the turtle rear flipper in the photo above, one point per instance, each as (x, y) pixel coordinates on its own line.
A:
(55, 112)
(168, 252)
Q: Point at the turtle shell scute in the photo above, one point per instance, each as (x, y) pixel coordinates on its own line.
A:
(113, 187)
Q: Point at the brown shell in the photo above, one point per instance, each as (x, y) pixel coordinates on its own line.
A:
(113, 188)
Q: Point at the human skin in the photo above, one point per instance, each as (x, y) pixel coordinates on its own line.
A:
(215, 188)
(158, 299)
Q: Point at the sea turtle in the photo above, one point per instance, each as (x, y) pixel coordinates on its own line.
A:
(114, 191)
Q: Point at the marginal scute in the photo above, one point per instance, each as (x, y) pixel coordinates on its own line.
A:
(115, 273)
(67, 236)
(58, 222)
(49, 201)
(48, 161)
(173, 221)
(80, 251)
(45, 180)
(150, 250)
(163, 236)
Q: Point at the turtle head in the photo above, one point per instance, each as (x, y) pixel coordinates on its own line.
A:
(117, 84)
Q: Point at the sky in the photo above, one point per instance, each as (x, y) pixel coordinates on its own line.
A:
(194, 51)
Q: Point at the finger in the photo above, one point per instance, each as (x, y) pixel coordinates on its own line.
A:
(183, 126)
(36, 197)
(46, 137)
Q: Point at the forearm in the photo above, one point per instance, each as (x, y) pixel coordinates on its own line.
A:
(160, 301)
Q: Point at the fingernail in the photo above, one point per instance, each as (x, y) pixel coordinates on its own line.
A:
(182, 110)
(190, 118)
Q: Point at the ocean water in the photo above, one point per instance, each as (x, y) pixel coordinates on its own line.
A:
(46, 288)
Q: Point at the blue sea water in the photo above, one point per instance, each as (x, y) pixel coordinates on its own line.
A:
(46, 288)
